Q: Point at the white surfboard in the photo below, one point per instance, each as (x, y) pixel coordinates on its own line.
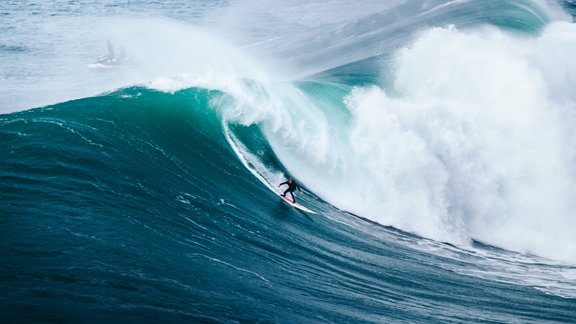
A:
(297, 205)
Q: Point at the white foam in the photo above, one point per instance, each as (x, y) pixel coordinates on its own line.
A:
(476, 142)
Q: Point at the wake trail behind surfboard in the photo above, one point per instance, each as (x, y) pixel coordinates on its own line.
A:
(297, 205)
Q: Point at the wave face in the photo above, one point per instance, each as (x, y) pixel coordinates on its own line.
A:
(434, 139)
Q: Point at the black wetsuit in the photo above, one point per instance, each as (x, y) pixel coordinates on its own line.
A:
(291, 188)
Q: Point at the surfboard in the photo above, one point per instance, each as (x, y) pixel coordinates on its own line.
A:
(297, 205)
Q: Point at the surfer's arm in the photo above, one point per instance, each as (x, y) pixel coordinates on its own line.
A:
(283, 183)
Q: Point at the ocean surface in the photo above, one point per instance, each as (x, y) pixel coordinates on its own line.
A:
(142, 144)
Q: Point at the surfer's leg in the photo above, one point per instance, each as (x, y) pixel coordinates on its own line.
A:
(284, 194)
(293, 199)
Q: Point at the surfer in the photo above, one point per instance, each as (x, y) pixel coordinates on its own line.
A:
(107, 59)
(111, 59)
(291, 188)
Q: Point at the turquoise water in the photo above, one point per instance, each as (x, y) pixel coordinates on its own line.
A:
(432, 138)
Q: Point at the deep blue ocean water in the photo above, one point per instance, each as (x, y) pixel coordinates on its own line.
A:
(434, 139)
